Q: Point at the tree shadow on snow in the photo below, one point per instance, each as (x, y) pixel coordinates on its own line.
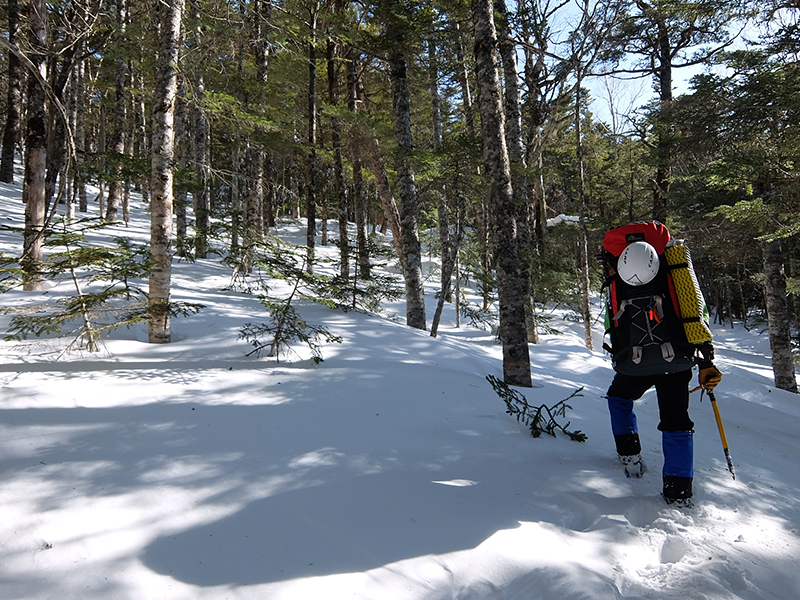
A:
(348, 526)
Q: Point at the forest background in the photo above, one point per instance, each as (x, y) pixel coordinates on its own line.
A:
(461, 127)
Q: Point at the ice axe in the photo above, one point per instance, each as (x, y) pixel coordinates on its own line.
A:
(722, 433)
(720, 427)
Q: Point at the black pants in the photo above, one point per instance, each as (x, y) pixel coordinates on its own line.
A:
(672, 391)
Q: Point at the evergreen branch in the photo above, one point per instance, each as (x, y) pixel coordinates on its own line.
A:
(540, 419)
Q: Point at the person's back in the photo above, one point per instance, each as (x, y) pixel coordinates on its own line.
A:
(650, 348)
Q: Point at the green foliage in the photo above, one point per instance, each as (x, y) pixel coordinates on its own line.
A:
(284, 328)
(540, 419)
(285, 262)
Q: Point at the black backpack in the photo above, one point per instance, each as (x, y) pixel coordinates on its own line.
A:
(643, 324)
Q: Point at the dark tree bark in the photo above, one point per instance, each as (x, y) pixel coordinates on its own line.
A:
(33, 189)
(778, 316)
(120, 102)
(407, 189)
(14, 101)
(311, 175)
(201, 195)
(338, 169)
(511, 286)
(359, 194)
(516, 152)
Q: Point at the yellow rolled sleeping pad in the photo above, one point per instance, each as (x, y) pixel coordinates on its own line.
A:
(694, 312)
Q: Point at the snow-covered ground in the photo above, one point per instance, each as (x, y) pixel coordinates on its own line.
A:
(390, 470)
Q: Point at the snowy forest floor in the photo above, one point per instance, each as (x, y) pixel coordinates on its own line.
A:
(390, 470)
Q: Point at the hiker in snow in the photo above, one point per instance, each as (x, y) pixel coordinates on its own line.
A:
(657, 323)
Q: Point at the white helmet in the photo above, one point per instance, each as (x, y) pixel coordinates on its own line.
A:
(638, 263)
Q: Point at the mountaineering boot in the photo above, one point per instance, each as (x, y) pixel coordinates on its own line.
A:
(678, 491)
(634, 467)
(678, 470)
(626, 436)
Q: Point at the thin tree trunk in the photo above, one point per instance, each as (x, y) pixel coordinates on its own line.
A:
(254, 230)
(170, 13)
(584, 245)
(359, 194)
(141, 146)
(202, 204)
(511, 286)
(463, 81)
(33, 190)
(236, 201)
(338, 169)
(311, 179)
(14, 101)
(662, 180)
(118, 140)
(181, 153)
(778, 316)
(79, 99)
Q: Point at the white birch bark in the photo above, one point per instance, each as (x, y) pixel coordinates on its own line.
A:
(170, 13)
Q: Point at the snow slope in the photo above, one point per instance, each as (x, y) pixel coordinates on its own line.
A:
(390, 470)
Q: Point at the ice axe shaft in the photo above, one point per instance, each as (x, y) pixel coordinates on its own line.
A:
(722, 434)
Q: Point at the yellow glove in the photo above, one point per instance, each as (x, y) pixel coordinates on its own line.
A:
(709, 376)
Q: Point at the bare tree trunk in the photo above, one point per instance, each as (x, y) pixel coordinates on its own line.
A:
(390, 210)
(511, 286)
(338, 169)
(663, 176)
(141, 146)
(269, 191)
(311, 179)
(14, 101)
(516, 154)
(407, 188)
(181, 153)
(79, 100)
(33, 190)
(236, 201)
(584, 247)
(359, 194)
(170, 13)
(463, 80)
(101, 150)
(254, 230)
(118, 140)
(778, 316)
(201, 196)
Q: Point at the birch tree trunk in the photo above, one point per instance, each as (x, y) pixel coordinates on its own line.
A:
(407, 188)
(170, 13)
(14, 99)
(778, 316)
(33, 190)
(511, 286)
